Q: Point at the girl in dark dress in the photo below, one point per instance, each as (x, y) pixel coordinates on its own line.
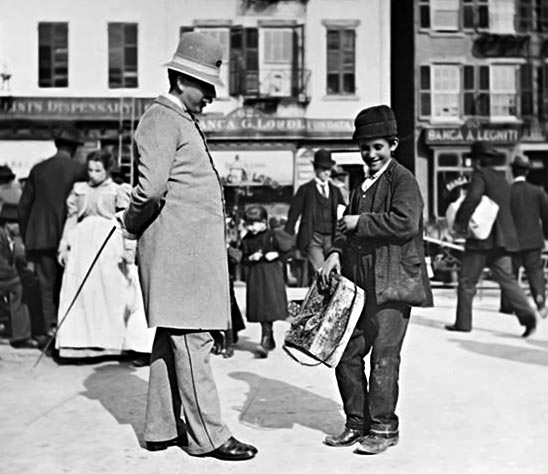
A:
(266, 296)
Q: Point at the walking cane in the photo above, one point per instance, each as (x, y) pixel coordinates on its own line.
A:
(56, 330)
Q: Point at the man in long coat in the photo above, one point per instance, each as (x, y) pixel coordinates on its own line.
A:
(316, 204)
(529, 206)
(42, 215)
(177, 212)
(492, 252)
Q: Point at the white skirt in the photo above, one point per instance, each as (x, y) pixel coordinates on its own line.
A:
(108, 314)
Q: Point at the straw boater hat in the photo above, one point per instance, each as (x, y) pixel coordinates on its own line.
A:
(199, 56)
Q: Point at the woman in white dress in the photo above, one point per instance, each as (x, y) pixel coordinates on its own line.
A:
(107, 317)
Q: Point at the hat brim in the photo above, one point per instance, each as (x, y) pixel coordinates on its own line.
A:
(326, 165)
(209, 78)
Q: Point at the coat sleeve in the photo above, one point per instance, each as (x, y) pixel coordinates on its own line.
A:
(158, 138)
(473, 197)
(544, 212)
(295, 211)
(25, 204)
(71, 222)
(401, 220)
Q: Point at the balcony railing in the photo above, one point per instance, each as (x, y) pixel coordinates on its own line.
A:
(282, 83)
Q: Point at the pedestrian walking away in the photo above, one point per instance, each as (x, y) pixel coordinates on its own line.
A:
(494, 251)
(529, 206)
(42, 215)
(379, 247)
(177, 213)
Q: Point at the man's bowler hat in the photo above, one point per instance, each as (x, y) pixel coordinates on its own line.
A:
(521, 162)
(322, 158)
(68, 135)
(200, 56)
(484, 149)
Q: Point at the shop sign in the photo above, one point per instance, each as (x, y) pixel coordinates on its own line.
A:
(243, 122)
(249, 121)
(466, 135)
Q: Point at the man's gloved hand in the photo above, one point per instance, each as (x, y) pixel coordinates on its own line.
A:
(120, 219)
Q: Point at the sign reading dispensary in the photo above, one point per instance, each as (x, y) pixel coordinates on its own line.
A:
(466, 135)
(240, 123)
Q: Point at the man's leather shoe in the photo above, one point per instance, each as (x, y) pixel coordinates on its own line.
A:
(372, 444)
(233, 450)
(530, 329)
(454, 327)
(161, 445)
(347, 438)
(24, 344)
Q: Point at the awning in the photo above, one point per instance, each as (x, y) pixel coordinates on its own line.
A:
(22, 155)
(254, 167)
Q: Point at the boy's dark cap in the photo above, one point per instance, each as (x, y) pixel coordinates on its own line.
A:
(375, 122)
(9, 213)
(322, 158)
(521, 162)
(480, 149)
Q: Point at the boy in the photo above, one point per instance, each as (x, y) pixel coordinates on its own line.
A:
(380, 248)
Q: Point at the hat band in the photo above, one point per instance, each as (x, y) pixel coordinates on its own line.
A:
(198, 67)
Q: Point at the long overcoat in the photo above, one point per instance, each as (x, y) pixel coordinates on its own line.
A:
(42, 207)
(177, 211)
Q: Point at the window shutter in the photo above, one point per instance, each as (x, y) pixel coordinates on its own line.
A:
(236, 60)
(251, 61)
(469, 90)
(483, 99)
(543, 80)
(524, 16)
(525, 86)
(424, 12)
(425, 92)
(297, 73)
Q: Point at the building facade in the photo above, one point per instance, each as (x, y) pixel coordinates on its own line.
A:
(296, 74)
(479, 74)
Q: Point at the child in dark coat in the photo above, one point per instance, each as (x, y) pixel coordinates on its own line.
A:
(263, 252)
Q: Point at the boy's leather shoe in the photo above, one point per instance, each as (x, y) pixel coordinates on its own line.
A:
(161, 445)
(233, 450)
(372, 444)
(347, 438)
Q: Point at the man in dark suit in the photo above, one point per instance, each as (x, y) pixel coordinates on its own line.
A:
(529, 206)
(316, 203)
(494, 251)
(42, 215)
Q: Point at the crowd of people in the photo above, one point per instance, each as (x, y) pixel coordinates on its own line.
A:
(148, 270)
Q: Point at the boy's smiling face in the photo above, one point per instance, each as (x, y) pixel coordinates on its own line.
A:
(376, 152)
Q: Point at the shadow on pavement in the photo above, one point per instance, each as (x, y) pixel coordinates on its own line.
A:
(272, 404)
(524, 355)
(122, 393)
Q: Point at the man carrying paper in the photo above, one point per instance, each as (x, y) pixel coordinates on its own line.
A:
(493, 251)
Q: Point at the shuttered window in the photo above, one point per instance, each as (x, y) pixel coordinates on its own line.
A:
(53, 54)
(122, 55)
